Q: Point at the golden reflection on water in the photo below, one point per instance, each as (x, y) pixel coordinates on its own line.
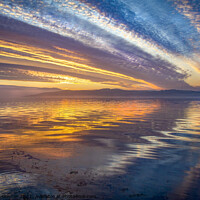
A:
(95, 138)
(25, 124)
(44, 137)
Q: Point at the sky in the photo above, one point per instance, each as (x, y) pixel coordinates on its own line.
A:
(94, 44)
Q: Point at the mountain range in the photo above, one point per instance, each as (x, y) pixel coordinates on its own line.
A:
(121, 93)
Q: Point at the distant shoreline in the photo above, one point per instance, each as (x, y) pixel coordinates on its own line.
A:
(118, 93)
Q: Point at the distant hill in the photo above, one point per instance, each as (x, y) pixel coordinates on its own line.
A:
(10, 91)
(120, 93)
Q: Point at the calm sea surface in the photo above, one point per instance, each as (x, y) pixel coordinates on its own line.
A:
(99, 149)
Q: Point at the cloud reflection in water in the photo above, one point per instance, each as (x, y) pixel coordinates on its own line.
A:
(92, 139)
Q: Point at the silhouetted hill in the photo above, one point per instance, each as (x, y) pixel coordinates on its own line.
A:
(120, 93)
(11, 91)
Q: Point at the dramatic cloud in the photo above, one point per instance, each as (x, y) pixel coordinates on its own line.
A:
(94, 44)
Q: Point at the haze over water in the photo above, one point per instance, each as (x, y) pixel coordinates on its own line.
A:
(100, 148)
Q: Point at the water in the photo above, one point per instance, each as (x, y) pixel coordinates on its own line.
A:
(99, 149)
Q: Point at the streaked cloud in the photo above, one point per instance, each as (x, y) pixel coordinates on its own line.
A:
(125, 44)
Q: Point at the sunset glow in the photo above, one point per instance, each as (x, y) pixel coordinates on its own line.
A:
(91, 45)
